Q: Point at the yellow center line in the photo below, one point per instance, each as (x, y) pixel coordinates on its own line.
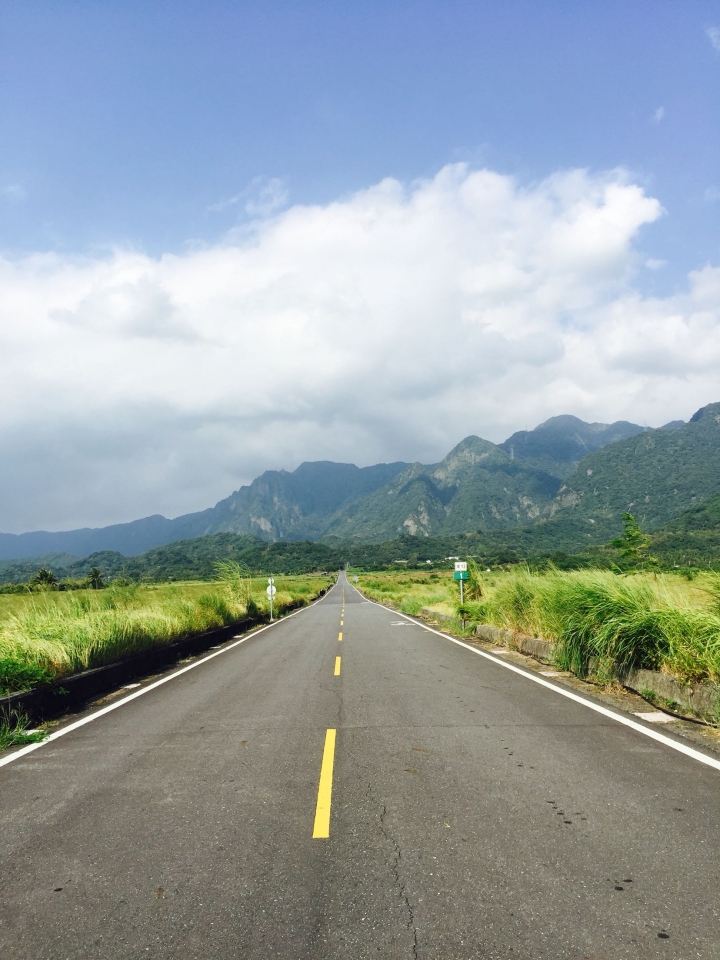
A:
(342, 623)
(340, 635)
(321, 828)
(337, 666)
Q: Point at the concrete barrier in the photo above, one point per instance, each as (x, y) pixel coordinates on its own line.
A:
(701, 699)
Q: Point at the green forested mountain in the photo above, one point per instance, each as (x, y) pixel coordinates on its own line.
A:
(291, 506)
(693, 538)
(184, 559)
(480, 485)
(655, 475)
(559, 444)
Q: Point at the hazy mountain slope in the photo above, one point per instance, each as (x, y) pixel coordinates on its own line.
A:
(557, 445)
(128, 538)
(656, 475)
(276, 505)
(477, 485)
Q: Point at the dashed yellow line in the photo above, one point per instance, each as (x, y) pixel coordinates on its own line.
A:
(337, 666)
(321, 828)
(340, 635)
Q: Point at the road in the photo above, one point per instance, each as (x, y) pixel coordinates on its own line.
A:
(474, 814)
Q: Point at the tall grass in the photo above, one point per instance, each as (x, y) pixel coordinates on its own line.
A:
(610, 623)
(53, 636)
(88, 631)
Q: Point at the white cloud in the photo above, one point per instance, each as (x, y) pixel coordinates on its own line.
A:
(387, 325)
(13, 191)
(659, 114)
(713, 34)
(261, 198)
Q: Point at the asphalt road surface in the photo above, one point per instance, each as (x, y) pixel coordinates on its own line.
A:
(471, 814)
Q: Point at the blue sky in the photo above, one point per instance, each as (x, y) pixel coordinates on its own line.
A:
(238, 236)
(128, 122)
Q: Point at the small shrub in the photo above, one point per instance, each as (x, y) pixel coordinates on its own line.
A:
(412, 606)
(16, 675)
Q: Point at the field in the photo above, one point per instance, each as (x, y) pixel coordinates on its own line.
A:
(602, 623)
(44, 636)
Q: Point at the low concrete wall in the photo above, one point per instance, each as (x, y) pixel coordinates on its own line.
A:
(73, 692)
(522, 642)
(702, 699)
(513, 639)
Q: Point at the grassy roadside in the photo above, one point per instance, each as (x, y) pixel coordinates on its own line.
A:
(44, 637)
(602, 623)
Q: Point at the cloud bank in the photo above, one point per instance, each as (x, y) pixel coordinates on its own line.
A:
(387, 325)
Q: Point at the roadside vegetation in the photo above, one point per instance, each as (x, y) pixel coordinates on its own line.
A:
(48, 635)
(603, 623)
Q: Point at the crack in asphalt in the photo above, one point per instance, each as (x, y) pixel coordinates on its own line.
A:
(396, 876)
(397, 854)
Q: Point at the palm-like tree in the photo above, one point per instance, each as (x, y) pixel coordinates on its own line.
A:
(43, 578)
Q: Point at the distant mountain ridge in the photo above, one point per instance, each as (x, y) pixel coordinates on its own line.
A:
(277, 505)
(560, 443)
(567, 482)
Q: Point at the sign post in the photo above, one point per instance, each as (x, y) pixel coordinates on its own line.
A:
(271, 591)
(461, 573)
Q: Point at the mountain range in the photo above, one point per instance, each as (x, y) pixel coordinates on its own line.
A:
(566, 482)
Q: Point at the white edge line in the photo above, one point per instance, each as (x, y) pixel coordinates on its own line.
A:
(626, 721)
(24, 751)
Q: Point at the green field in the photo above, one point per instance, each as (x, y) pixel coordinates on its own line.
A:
(602, 623)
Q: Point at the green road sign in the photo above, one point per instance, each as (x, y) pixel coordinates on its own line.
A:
(461, 575)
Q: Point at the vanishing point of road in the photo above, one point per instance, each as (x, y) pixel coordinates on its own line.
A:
(348, 784)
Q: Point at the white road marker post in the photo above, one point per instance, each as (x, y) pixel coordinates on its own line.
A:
(271, 591)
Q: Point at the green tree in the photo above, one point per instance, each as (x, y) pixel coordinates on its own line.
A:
(44, 579)
(95, 579)
(634, 545)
